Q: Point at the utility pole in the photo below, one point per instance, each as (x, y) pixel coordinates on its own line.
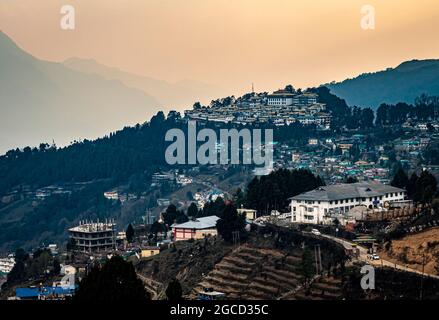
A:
(422, 278)
(424, 261)
(235, 238)
(318, 259)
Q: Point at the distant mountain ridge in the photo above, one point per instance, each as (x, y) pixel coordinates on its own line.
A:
(401, 84)
(41, 101)
(177, 96)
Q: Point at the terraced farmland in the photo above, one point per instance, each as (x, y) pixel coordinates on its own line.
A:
(253, 273)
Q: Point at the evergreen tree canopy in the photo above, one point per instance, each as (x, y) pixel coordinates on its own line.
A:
(115, 281)
(272, 192)
(130, 233)
(230, 222)
(192, 211)
(400, 180)
(307, 266)
(174, 291)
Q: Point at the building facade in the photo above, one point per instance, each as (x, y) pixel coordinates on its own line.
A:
(94, 237)
(195, 229)
(318, 205)
(305, 99)
(280, 99)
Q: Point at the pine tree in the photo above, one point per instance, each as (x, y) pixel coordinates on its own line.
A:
(400, 180)
(307, 266)
(174, 291)
(115, 281)
(130, 233)
(230, 222)
(192, 211)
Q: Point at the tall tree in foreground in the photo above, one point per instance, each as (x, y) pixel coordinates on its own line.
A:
(130, 233)
(174, 291)
(192, 211)
(230, 222)
(116, 280)
(426, 187)
(400, 180)
(271, 192)
(307, 267)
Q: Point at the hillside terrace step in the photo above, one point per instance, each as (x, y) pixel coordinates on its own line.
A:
(331, 281)
(282, 279)
(249, 257)
(227, 282)
(221, 288)
(240, 262)
(303, 296)
(227, 274)
(325, 295)
(291, 268)
(255, 295)
(326, 288)
(285, 286)
(233, 268)
(264, 288)
(293, 260)
(282, 272)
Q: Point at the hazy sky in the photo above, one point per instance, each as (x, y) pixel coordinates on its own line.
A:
(230, 43)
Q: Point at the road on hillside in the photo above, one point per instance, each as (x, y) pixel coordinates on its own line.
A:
(210, 185)
(363, 257)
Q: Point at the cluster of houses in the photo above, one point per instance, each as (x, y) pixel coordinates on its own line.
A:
(172, 178)
(203, 197)
(282, 107)
(331, 158)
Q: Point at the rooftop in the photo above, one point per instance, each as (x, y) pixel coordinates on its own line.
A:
(199, 223)
(93, 227)
(346, 191)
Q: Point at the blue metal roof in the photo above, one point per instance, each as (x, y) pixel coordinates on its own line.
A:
(42, 291)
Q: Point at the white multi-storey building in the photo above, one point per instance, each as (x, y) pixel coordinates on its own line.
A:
(305, 99)
(280, 99)
(320, 203)
(94, 236)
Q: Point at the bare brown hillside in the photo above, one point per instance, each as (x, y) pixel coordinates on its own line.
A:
(410, 250)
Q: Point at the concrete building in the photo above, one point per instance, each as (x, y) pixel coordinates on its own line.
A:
(195, 229)
(250, 214)
(280, 98)
(318, 205)
(305, 99)
(94, 237)
(149, 251)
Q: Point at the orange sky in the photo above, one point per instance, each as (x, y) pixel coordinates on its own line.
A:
(230, 43)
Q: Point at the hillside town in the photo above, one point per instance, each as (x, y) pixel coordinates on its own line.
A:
(282, 107)
(351, 189)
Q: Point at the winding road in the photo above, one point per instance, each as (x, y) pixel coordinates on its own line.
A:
(363, 257)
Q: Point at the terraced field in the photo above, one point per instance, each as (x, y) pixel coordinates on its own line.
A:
(323, 288)
(253, 273)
